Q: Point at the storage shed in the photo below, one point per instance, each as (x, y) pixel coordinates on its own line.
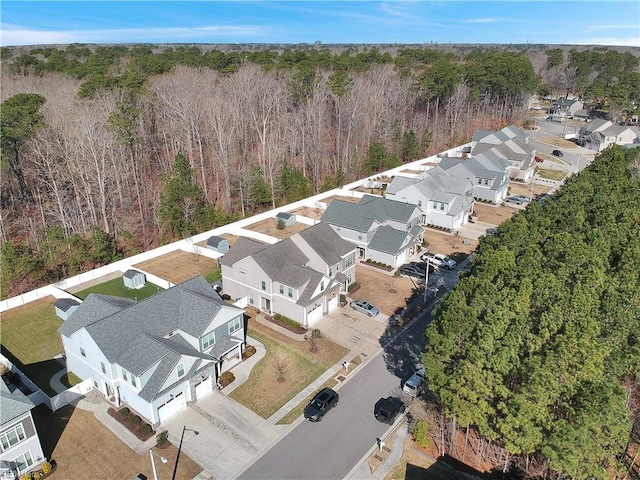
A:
(65, 307)
(134, 279)
(288, 219)
(218, 244)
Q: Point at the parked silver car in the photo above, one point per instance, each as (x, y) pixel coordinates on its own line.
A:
(413, 386)
(365, 307)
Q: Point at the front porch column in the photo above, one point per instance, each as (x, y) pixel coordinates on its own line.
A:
(240, 351)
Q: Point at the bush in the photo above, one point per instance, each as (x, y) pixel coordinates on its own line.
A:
(288, 321)
(315, 333)
(136, 420)
(343, 298)
(421, 434)
(46, 467)
(146, 428)
(249, 351)
(124, 412)
(352, 286)
(161, 438)
(226, 378)
(280, 224)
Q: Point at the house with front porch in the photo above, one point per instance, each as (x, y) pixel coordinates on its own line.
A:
(600, 134)
(445, 201)
(488, 173)
(155, 355)
(510, 144)
(384, 230)
(20, 448)
(300, 277)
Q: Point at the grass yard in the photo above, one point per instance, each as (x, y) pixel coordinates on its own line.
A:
(30, 340)
(116, 287)
(179, 266)
(551, 174)
(84, 448)
(262, 392)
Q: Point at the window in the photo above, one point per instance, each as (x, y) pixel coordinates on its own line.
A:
(281, 289)
(420, 203)
(264, 285)
(208, 340)
(133, 381)
(331, 271)
(124, 374)
(12, 437)
(104, 369)
(442, 206)
(83, 353)
(290, 292)
(322, 286)
(234, 325)
(251, 299)
(180, 370)
(24, 461)
(348, 261)
(359, 236)
(435, 205)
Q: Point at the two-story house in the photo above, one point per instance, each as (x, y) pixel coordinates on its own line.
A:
(157, 354)
(20, 449)
(300, 277)
(383, 230)
(510, 144)
(599, 134)
(566, 107)
(445, 201)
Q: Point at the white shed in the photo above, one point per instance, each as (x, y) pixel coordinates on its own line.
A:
(218, 244)
(288, 219)
(65, 307)
(134, 279)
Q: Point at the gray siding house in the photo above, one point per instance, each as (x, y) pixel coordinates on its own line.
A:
(155, 355)
(300, 277)
(488, 173)
(445, 201)
(20, 449)
(600, 134)
(383, 230)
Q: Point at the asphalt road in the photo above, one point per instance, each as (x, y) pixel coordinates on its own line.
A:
(331, 448)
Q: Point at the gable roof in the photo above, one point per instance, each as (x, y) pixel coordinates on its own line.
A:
(132, 274)
(244, 247)
(371, 210)
(12, 403)
(66, 303)
(329, 246)
(138, 336)
(391, 240)
(214, 241)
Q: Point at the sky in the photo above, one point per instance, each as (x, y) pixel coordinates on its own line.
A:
(585, 22)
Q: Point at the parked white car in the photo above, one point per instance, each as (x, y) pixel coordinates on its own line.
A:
(439, 260)
(413, 386)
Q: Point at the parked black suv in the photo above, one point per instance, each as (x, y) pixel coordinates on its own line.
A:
(387, 409)
(324, 401)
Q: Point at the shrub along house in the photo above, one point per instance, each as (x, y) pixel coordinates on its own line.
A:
(300, 277)
(155, 355)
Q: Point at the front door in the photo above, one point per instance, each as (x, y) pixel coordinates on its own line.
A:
(266, 305)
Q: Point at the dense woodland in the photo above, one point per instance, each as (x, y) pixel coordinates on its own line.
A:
(538, 346)
(111, 150)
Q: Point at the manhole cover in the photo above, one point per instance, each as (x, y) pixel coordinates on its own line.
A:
(391, 290)
(340, 378)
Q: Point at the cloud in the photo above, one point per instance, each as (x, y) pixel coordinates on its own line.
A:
(611, 41)
(491, 20)
(12, 36)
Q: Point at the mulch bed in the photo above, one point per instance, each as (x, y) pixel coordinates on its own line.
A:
(127, 421)
(291, 328)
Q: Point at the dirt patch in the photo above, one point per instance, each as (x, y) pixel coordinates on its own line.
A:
(492, 214)
(84, 448)
(328, 200)
(179, 266)
(455, 246)
(556, 141)
(516, 188)
(377, 288)
(309, 212)
(270, 227)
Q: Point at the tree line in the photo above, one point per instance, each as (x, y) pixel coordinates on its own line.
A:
(538, 346)
(90, 134)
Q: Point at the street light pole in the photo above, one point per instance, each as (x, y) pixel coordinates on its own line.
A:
(426, 279)
(153, 463)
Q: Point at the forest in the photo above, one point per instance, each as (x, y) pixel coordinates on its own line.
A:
(111, 150)
(537, 348)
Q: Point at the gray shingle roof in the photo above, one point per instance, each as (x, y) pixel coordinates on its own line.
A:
(65, 304)
(214, 241)
(243, 248)
(94, 308)
(132, 274)
(368, 213)
(326, 243)
(284, 215)
(12, 404)
(388, 240)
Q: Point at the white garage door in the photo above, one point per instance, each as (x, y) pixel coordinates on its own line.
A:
(314, 314)
(172, 407)
(204, 388)
(333, 303)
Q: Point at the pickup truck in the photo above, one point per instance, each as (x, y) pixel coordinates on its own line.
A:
(439, 260)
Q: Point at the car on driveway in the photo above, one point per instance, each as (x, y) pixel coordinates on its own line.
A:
(439, 260)
(412, 271)
(324, 401)
(365, 307)
(514, 200)
(557, 153)
(387, 409)
(414, 385)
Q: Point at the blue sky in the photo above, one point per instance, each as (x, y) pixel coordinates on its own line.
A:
(393, 21)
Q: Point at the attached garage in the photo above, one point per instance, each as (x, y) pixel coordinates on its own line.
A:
(172, 407)
(333, 303)
(314, 314)
(203, 388)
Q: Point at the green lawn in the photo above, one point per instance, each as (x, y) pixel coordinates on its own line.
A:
(30, 340)
(116, 287)
(551, 174)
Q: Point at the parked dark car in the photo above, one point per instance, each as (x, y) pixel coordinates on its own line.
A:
(324, 401)
(412, 271)
(515, 200)
(557, 153)
(387, 409)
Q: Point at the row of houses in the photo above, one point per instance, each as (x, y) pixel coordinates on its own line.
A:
(159, 354)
